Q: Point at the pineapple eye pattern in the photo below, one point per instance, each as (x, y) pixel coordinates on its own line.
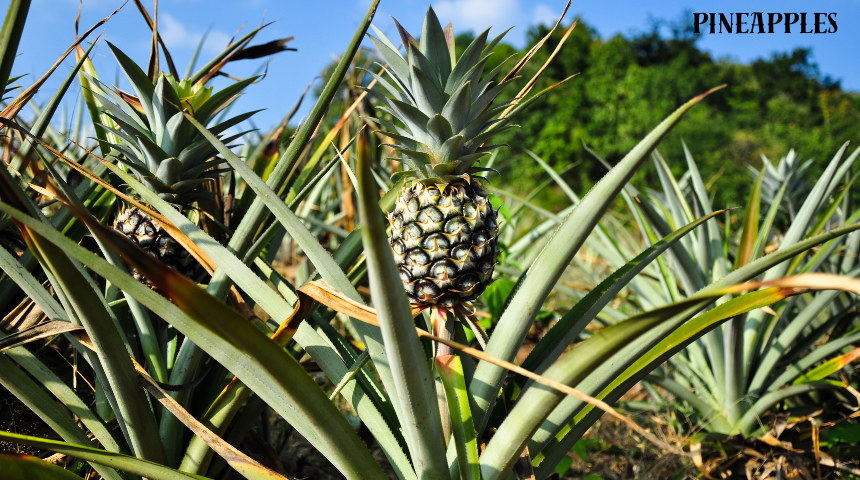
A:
(444, 243)
(444, 121)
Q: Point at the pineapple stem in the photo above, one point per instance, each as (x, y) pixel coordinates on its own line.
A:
(443, 322)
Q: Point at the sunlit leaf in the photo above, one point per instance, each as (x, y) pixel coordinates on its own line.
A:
(548, 267)
(272, 373)
(15, 466)
(828, 368)
(119, 461)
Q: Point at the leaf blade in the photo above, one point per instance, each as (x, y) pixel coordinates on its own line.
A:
(233, 341)
(533, 290)
(103, 457)
(412, 379)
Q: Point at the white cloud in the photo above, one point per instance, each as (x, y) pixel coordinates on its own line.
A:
(544, 14)
(478, 15)
(177, 36)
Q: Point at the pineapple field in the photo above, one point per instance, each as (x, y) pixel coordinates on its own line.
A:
(443, 270)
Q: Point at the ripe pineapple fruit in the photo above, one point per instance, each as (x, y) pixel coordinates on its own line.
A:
(444, 230)
(163, 150)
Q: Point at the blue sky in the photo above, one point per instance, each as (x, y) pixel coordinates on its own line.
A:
(323, 28)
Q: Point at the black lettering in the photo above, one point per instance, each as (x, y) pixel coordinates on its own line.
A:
(698, 21)
(725, 22)
(832, 22)
(757, 21)
(803, 23)
(789, 22)
(740, 22)
(818, 22)
(713, 22)
(771, 22)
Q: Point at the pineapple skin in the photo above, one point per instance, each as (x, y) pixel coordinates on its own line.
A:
(444, 239)
(444, 230)
(152, 238)
(164, 151)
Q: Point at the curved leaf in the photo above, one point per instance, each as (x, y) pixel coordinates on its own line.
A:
(224, 334)
(413, 380)
(597, 381)
(25, 467)
(118, 461)
(36, 399)
(571, 324)
(539, 280)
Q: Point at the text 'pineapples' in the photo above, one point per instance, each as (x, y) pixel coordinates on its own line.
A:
(163, 150)
(443, 227)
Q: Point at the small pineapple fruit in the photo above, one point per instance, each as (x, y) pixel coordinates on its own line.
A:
(163, 150)
(444, 230)
(149, 236)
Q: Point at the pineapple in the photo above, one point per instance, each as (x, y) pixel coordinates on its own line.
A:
(163, 150)
(443, 228)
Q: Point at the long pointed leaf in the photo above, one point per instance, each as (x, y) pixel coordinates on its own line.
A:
(537, 283)
(136, 418)
(325, 264)
(243, 236)
(795, 232)
(604, 375)
(42, 122)
(119, 461)
(25, 467)
(571, 324)
(10, 36)
(413, 381)
(31, 394)
(141, 84)
(38, 369)
(538, 401)
(363, 396)
(272, 373)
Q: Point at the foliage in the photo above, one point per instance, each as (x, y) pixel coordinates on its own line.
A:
(739, 370)
(628, 82)
(181, 371)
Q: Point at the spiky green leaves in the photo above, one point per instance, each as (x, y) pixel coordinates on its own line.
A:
(158, 144)
(442, 101)
(434, 44)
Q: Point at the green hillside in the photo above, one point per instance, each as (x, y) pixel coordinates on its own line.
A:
(627, 84)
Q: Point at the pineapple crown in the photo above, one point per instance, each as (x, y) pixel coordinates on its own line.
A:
(160, 147)
(442, 101)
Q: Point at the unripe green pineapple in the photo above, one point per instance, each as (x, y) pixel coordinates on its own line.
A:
(163, 150)
(444, 230)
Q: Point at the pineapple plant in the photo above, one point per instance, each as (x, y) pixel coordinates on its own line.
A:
(443, 228)
(163, 150)
(440, 136)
